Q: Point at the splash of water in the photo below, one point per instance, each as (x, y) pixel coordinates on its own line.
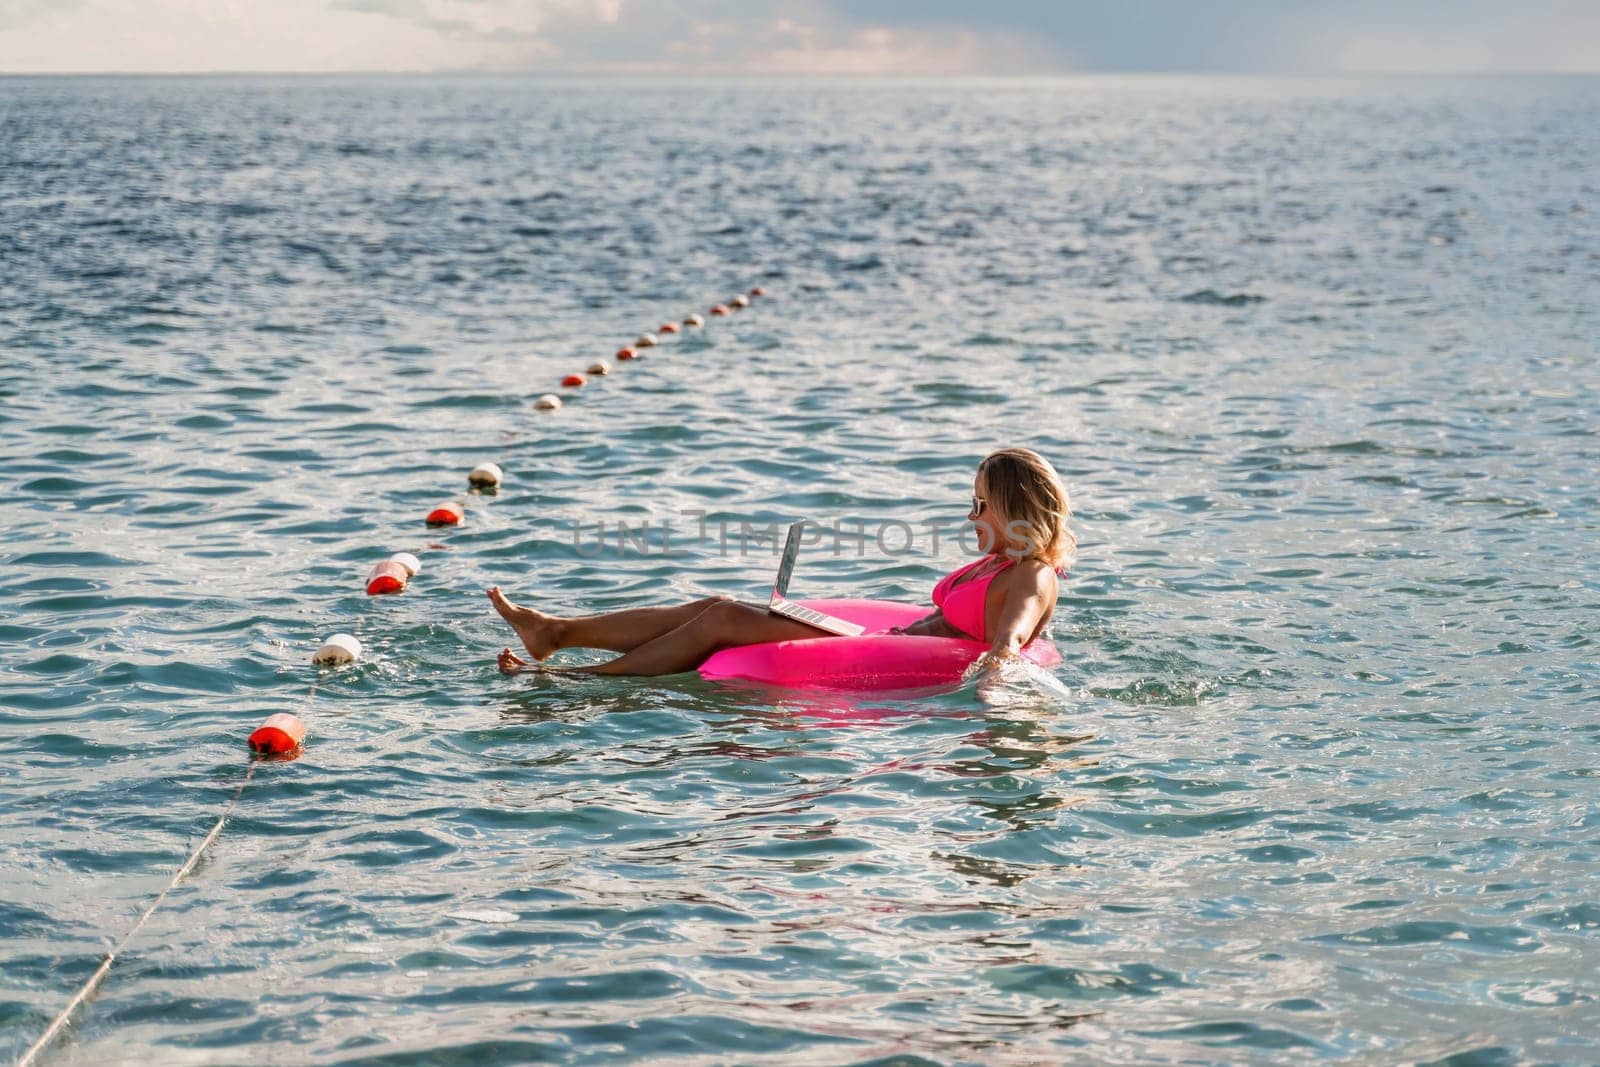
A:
(1014, 682)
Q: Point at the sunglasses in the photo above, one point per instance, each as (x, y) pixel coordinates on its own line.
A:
(978, 504)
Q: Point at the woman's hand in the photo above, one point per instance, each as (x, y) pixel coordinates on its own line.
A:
(928, 626)
(998, 657)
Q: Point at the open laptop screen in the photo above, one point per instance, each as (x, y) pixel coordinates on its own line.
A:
(791, 550)
(782, 605)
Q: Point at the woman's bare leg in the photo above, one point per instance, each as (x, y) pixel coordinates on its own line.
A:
(721, 625)
(618, 631)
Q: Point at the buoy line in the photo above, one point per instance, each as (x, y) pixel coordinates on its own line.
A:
(88, 988)
(282, 734)
(278, 737)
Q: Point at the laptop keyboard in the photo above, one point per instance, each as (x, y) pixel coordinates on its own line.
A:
(815, 618)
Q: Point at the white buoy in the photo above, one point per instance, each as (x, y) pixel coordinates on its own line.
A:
(486, 476)
(599, 366)
(647, 340)
(411, 563)
(547, 402)
(340, 648)
(694, 319)
(740, 301)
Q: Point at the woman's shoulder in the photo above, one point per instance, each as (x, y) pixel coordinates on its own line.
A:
(1034, 573)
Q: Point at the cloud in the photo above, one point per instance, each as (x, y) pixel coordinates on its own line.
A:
(1561, 37)
(488, 21)
(1283, 36)
(794, 37)
(17, 13)
(810, 39)
(710, 37)
(791, 48)
(551, 36)
(156, 36)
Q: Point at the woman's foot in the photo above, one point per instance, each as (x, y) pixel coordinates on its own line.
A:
(540, 633)
(510, 662)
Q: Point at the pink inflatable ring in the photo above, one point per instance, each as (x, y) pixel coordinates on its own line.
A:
(876, 660)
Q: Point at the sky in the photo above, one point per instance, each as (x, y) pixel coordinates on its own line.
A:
(802, 37)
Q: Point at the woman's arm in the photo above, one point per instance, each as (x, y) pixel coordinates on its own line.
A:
(933, 625)
(1031, 593)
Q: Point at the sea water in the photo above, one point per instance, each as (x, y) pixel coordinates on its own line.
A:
(1318, 777)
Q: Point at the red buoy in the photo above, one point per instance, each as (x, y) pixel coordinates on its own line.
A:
(447, 514)
(669, 327)
(387, 577)
(280, 735)
(720, 309)
(572, 381)
(758, 291)
(626, 353)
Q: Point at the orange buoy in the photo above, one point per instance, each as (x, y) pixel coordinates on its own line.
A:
(626, 353)
(572, 381)
(387, 577)
(720, 309)
(280, 735)
(668, 327)
(447, 514)
(758, 291)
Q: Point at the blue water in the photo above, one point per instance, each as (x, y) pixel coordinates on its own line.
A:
(1317, 360)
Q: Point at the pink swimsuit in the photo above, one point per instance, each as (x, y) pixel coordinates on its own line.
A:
(965, 606)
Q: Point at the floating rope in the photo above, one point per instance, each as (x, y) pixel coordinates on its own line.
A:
(87, 990)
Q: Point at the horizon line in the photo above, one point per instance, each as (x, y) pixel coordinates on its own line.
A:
(796, 75)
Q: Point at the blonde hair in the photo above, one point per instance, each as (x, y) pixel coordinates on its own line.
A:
(1027, 490)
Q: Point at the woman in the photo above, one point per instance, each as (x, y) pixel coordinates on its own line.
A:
(1020, 510)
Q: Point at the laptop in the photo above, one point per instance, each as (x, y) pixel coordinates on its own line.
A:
(781, 605)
